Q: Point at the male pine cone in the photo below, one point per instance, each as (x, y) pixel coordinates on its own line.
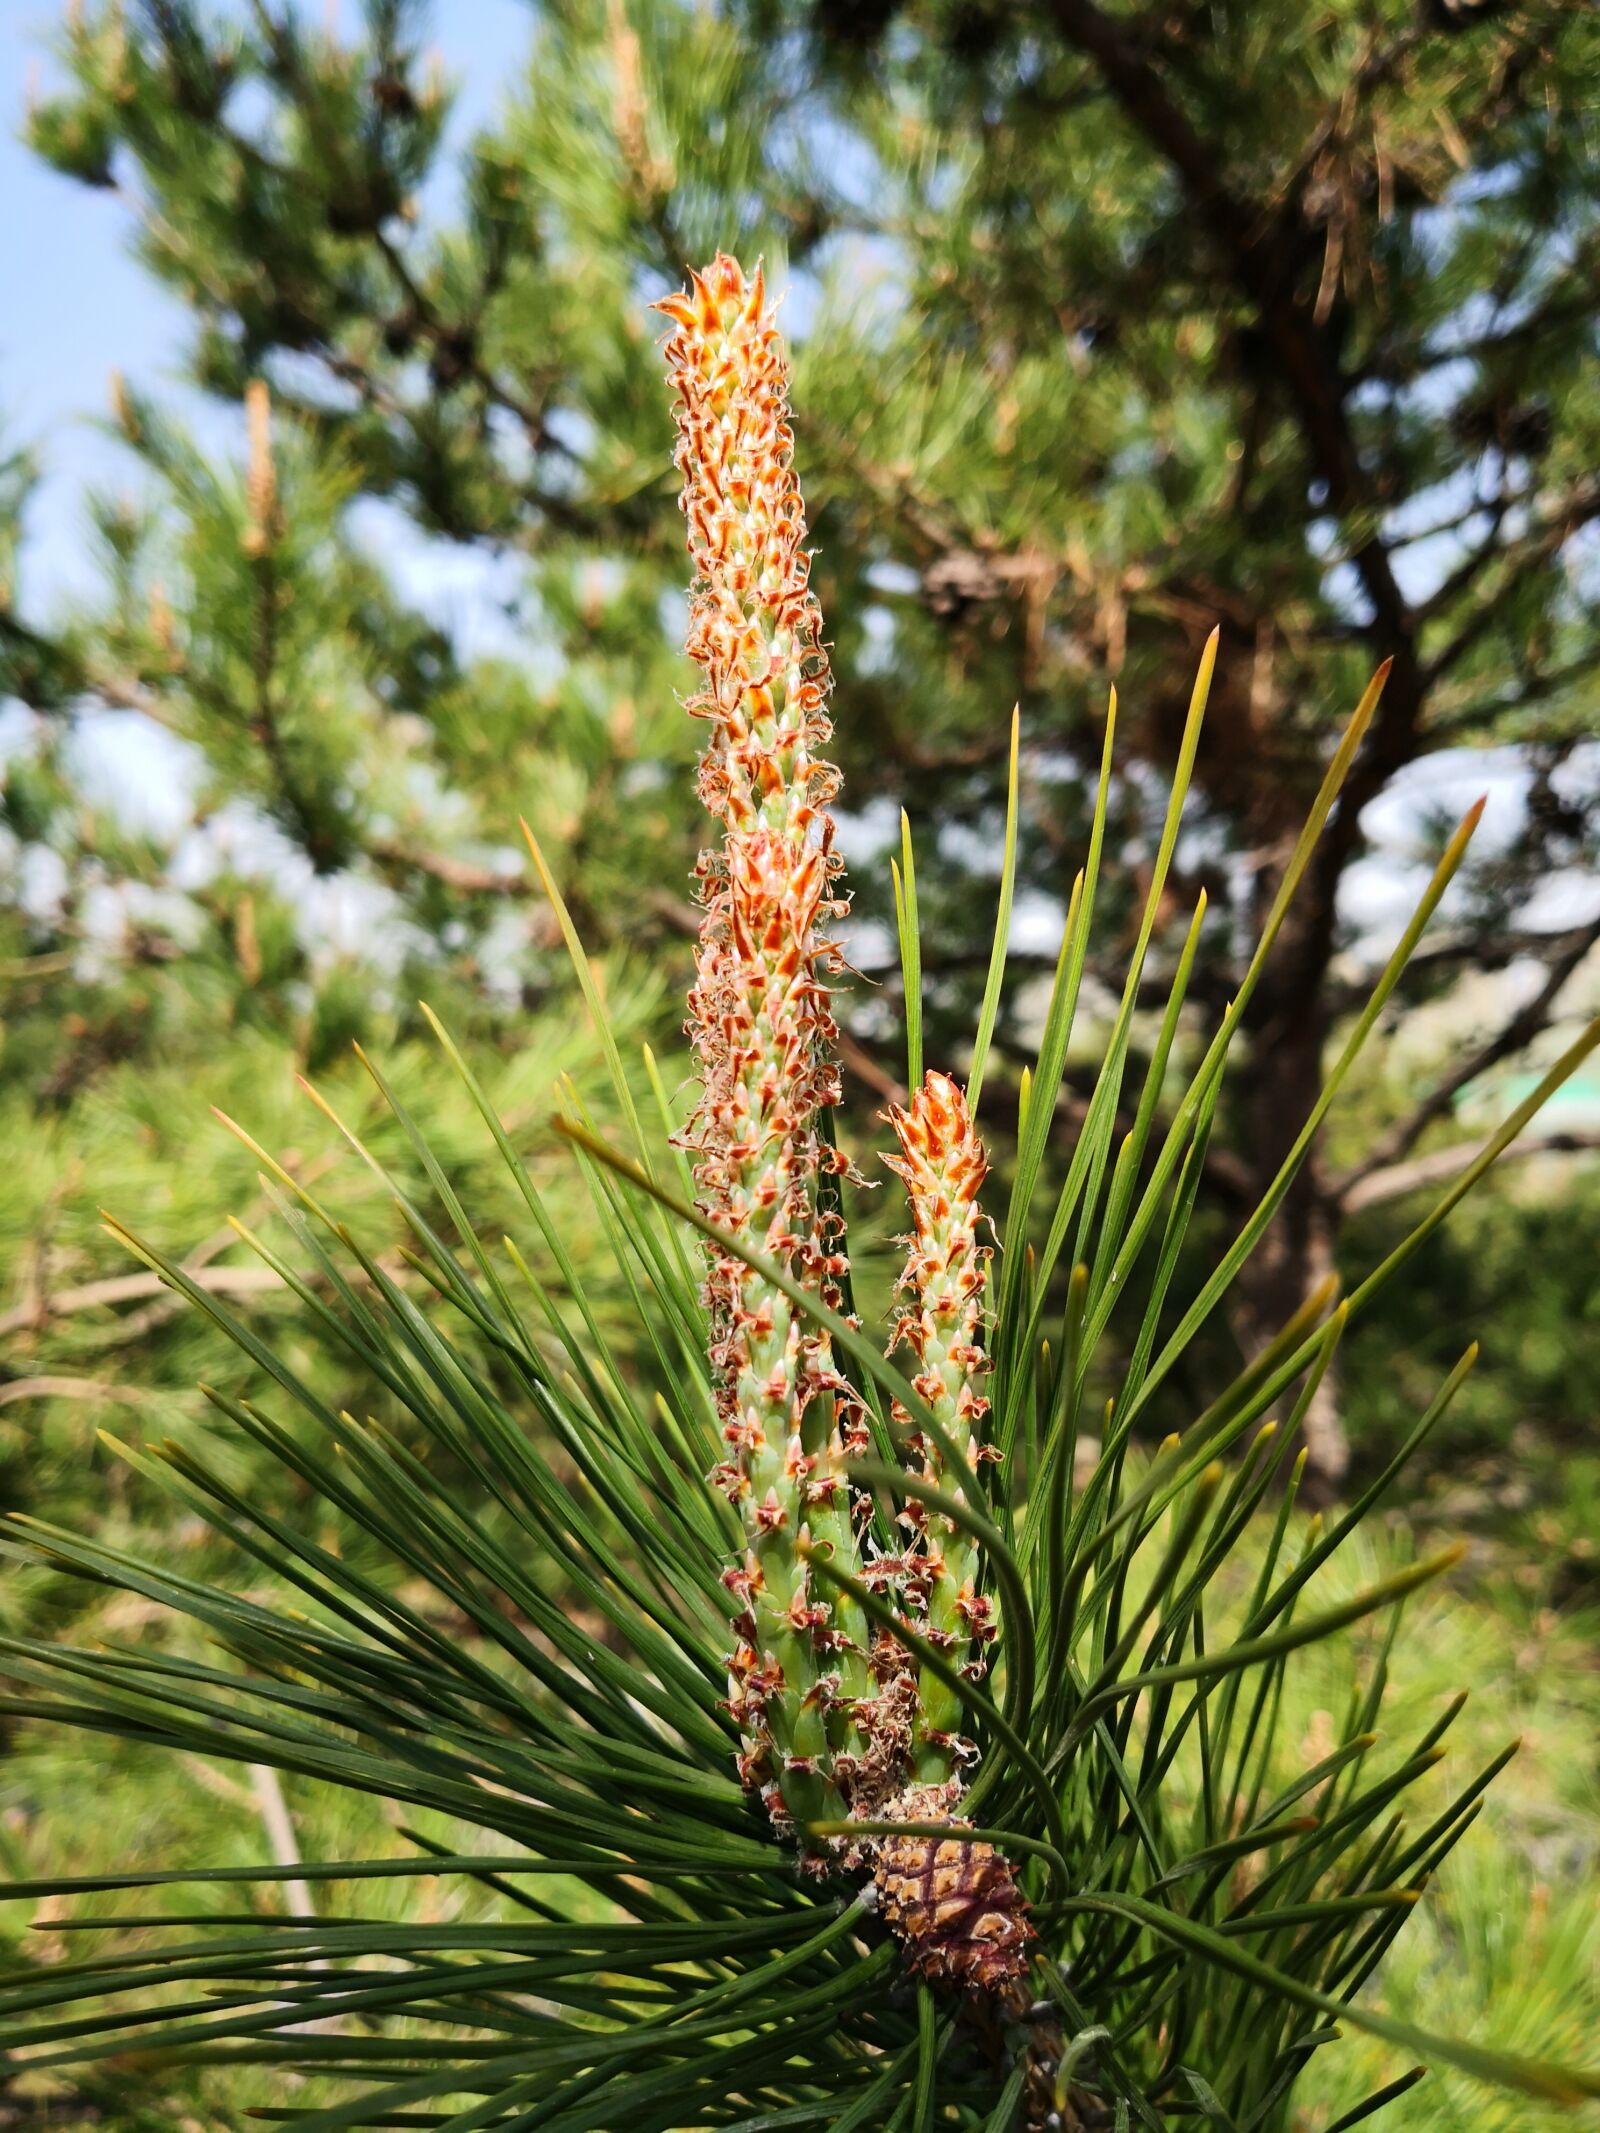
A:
(834, 1724)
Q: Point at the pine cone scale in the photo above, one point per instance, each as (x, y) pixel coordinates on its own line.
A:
(957, 1907)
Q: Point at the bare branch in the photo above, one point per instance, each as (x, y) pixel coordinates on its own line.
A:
(130, 1288)
(1518, 1030)
(1485, 951)
(73, 1388)
(463, 874)
(1544, 539)
(281, 1837)
(1439, 1165)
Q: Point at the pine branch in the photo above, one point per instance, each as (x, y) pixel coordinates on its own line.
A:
(1257, 243)
(1514, 1034)
(57, 1387)
(130, 1288)
(398, 859)
(1376, 1188)
(1547, 534)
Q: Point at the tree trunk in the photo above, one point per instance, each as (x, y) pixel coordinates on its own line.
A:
(1281, 1080)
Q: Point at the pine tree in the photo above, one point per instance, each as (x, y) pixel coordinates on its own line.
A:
(1117, 325)
(1080, 1954)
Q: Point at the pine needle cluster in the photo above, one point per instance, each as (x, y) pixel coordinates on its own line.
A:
(997, 1827)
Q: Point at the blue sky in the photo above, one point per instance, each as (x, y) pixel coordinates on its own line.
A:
(76, 303)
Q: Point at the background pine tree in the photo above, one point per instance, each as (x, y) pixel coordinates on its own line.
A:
(1152, 320)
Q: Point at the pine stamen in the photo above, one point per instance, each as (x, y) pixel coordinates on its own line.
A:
(820, 1731)
(946, 1272)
